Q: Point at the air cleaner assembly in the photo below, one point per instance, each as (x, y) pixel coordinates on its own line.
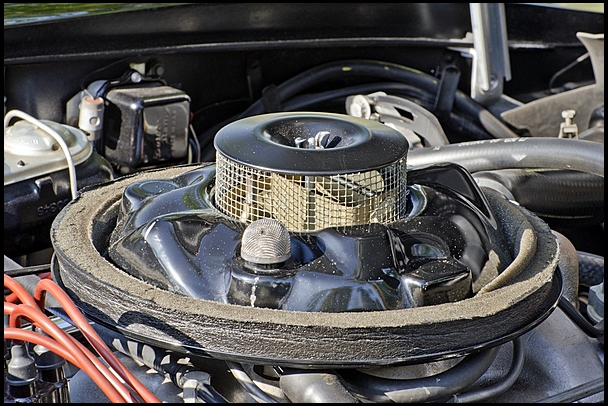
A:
(308, 229)
(310, 171)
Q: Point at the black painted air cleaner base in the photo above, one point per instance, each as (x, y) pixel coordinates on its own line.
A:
(523, 295)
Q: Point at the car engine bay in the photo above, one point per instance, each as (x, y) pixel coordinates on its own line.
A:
(304, 203)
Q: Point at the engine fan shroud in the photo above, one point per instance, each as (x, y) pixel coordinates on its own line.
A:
(521, 297)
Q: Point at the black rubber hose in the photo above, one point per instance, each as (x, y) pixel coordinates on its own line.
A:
(531, 153)
(28, 270)
(304, 101)
(595, 331)
(556, 195)
(577, 393)
(459, 123)
(441, 386)
(315, 387)
(467, 128)
(247, 383)
(590, 268)
(351, 69)
(504, 384)
(387, 71)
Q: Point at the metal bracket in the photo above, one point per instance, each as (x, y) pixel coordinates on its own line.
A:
(421, 128)
(490, 52)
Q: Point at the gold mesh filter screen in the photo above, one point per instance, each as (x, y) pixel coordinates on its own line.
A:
(309, 203)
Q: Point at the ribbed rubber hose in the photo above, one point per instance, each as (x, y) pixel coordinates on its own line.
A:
(591, 268)
(563, 197)
(530, 153)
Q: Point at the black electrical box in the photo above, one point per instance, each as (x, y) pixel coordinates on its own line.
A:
(146, 126)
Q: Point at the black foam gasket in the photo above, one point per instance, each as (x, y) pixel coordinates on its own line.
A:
(524, 294)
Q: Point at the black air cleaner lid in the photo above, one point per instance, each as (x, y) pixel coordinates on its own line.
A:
(270, 142)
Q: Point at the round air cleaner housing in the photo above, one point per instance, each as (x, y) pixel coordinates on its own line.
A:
(299, 247)
(310, 171)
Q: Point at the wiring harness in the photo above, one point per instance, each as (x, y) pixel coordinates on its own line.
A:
(29, 323)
